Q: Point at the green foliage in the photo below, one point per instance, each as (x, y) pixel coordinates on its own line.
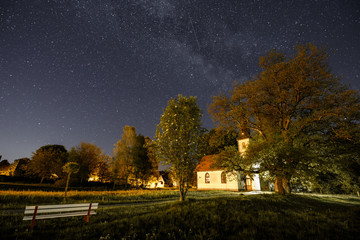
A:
(178, 139)
(337, 167)
(231, 160)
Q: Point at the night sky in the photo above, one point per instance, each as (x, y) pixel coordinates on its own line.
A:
(73, 71)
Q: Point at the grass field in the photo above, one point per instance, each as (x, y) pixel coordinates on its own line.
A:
(19, 199)
(203, 216)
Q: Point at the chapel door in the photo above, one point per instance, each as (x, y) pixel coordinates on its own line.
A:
(248, 184)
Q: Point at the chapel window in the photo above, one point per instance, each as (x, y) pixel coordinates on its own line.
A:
(207, 178)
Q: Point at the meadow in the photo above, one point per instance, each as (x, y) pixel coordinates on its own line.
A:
(205, 215)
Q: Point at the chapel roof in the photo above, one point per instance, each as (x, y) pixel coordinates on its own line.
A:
(207, 163)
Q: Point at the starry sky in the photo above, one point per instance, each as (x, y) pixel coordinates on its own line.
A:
(73, 70)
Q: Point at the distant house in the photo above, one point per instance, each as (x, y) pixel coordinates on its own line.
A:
(93, 178)
(163, 179)
(156, 182)
(210, 177)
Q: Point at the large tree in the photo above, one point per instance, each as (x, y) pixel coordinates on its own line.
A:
(293, 108)
(143, 164)
(178, 139)
(88, 156)
(48, 160)
(123, 152)
(103, 170)
(151, 154)
(131, 159)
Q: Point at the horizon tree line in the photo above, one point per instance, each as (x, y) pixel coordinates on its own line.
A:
(48, 162)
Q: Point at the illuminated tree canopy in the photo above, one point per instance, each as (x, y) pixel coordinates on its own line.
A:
(291, 107)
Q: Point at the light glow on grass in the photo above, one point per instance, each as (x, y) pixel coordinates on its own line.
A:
(333, 198)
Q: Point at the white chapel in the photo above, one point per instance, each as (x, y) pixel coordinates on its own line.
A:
(209, 177)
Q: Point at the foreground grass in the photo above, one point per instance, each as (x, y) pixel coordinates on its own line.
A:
(19, 199)
(241, 217)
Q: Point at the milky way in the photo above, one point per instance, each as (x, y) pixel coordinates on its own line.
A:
(73, 71)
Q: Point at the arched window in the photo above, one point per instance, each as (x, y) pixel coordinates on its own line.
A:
(207, 178)
(223, 177)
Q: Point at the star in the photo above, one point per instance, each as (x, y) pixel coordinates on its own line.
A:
(84, 70)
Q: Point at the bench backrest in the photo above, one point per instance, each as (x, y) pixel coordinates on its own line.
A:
(58, 211)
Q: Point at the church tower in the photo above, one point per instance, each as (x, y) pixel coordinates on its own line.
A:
(243, 140)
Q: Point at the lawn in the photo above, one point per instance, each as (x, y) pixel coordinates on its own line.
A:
(233, 216)
(10, 199)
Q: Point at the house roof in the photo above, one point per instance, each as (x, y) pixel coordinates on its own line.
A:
(207, 163)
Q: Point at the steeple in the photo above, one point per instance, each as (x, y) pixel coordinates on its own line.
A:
(243, 141)
(244, 133)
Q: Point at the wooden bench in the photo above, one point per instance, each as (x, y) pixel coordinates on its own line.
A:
(58, 211)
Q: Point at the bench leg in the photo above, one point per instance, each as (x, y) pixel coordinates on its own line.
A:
(88, 215)
(34, 217)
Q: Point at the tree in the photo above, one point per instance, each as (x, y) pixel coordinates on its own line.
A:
(21, 169)
(293, 108)
(48, 160)
(103, 171)
(217, 139)
(123, 155)
(4, 166)
(338, 166)
(69, 168)
(178, 139)
(151, 154)
(142, 164)
(88, 156)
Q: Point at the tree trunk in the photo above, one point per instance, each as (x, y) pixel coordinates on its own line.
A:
(126, 179)
(182, 194)
(286, 185)
(282, 185)
(182, 191)
(278, 185)
(67, 185)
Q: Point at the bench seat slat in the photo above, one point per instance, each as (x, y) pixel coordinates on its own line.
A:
(48, 216)
(53, 210)
(94, 205)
